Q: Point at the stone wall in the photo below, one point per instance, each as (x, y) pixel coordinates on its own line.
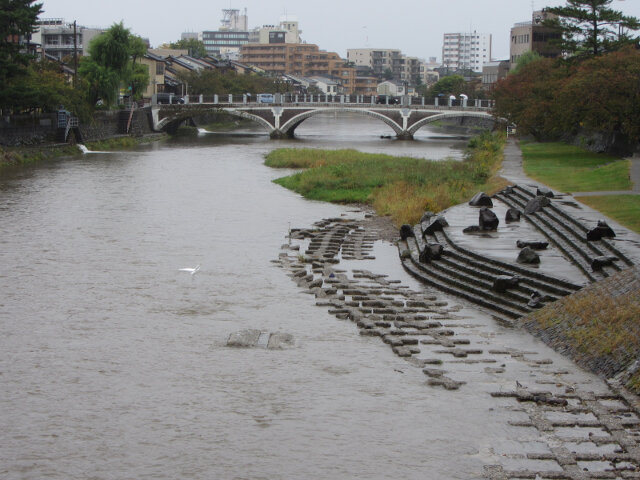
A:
(28, 130)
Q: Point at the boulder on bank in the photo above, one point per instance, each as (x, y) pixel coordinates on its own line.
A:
(426, 216)
(436, 224)
(487, 219)
(432, 251)
(528, 255)
(512, 215)
(406, 231)
(481, 200)
(602, 230)
(505, 282)
(533, 245)
(544, 192)
(603, 261)
(535, 204)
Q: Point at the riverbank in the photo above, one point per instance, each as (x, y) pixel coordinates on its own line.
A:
(399, 187)
(27, 155)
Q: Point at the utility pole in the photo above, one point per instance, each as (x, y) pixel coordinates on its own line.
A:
(75, 54)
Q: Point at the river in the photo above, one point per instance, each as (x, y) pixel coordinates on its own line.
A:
(113, 363)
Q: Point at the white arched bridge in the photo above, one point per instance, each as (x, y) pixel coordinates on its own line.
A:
(281, 117)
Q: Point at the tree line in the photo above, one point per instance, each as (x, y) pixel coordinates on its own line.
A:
(594, 87)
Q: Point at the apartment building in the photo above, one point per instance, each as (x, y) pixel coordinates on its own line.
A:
(287, 31)
(299, 59)
(533, 36)
(379, 60)
(56, 36)
(466, 51)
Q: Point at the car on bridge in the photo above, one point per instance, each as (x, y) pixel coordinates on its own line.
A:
(382, 100)
(265, 98)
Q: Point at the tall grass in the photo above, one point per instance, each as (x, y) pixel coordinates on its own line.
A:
(401, 187)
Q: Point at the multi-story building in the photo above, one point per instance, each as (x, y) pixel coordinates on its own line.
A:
(57, 38)
(287, 31)
(380, 61)
(533, 36)
(229, 41)
(466, 51)
(494, 71)
(299, 59)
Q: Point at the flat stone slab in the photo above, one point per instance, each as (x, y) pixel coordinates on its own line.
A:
(258, 339)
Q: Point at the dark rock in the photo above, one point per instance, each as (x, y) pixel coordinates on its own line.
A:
(528, 255)
(536, 204)
(545, 192)
(533, 245)
(512, 215)
(487, 219)
(426, 216)
(504, 282)
(436, 225)
(508, 190)
(432, 251)
(604, 261)
(481, 200)
(471, 229)
(406, 231)
(602, 230)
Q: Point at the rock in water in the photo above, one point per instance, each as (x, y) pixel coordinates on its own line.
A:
(536, 204)
(528, 255)
(244, 339)
(406, 231)
(487, 219)
(481, 200)
(512, 215)
(471, 229)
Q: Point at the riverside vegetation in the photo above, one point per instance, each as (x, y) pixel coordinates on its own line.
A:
(400, 187)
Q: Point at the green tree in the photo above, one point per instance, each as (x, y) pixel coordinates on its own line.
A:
(451, 85)
(194, 46)
(590, 27)
(17, 17)
(525, 59)
(112, 63)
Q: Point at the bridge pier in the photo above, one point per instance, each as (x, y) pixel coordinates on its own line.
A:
(404, 136)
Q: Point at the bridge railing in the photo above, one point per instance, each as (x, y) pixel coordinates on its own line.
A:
(351, 100)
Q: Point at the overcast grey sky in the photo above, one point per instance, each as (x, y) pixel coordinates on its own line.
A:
(414, 26)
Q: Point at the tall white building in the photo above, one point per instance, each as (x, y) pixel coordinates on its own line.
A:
(466, 51)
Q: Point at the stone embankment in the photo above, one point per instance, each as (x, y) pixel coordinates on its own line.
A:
(565, 427)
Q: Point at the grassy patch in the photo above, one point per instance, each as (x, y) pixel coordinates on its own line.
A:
(572, 169)
(401, 187)
(601, 328)
(624, 209)
(120, 142)
(13, 157)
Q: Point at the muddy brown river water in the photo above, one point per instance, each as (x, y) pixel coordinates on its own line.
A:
(113, 363)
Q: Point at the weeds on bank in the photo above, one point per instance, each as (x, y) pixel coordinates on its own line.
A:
(401, 187)
(597, 326)
(572, 169)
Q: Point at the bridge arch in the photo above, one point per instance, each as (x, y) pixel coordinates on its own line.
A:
(447, 115)
(290, 125)
(171, 122)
